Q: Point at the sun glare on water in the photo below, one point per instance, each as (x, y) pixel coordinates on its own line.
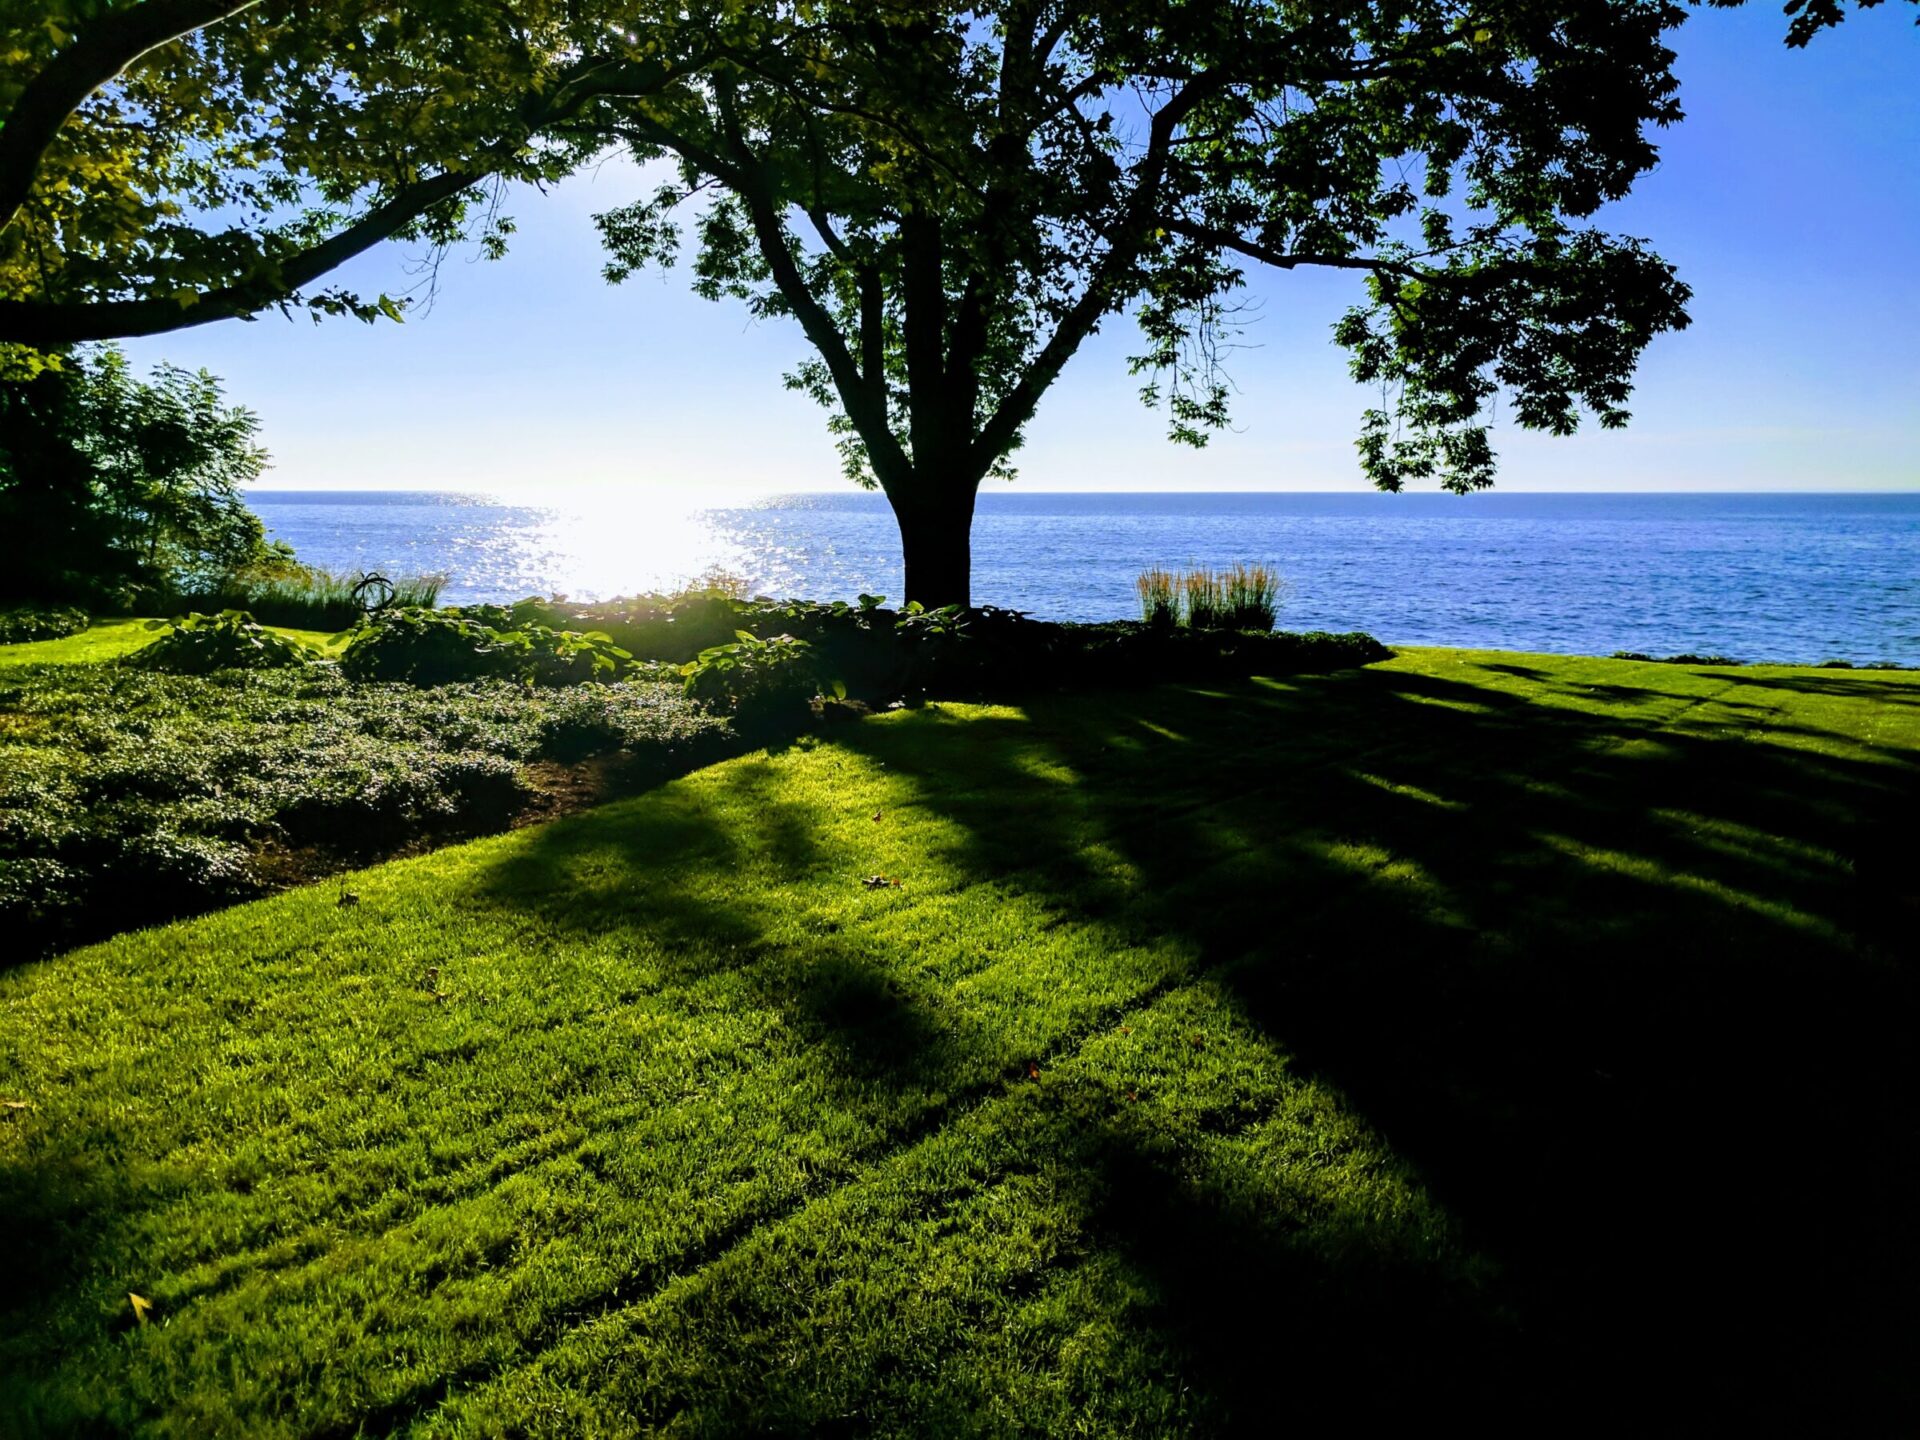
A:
(596, 544)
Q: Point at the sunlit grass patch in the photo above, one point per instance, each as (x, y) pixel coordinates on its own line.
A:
(1385, 1038)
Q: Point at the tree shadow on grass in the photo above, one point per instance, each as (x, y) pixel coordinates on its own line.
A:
(1634, 998)
(1630, 993)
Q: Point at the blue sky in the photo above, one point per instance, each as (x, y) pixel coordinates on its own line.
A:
(1789, 198)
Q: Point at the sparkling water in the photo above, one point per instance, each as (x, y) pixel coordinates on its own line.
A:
(1784, 577)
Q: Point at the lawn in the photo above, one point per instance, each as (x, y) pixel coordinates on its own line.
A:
(1511, 1036)
(110, 639)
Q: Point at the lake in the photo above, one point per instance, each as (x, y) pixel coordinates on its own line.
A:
(1782, 577)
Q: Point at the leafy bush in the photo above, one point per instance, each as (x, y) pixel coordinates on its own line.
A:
(50, 623)
(202, 644)
(432, 647)
(132, 796)
(758, 681)
(111, 485)
(1688, 659)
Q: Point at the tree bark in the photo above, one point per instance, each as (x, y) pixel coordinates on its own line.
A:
(936, 538)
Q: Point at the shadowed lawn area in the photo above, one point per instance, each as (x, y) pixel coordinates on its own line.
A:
(110, 639)
(1520, 1036)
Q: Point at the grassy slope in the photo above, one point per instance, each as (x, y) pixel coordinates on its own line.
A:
(110, 639)
(1411, 1038)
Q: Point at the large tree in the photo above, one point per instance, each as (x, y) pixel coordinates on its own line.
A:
(949, 199)
(165, 163)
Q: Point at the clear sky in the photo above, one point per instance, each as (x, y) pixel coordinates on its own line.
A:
(1789, 198)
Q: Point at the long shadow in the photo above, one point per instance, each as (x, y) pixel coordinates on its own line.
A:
(1635, 999)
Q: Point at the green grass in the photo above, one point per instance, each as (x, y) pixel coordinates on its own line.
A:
(1484, 1034)
(110, 639)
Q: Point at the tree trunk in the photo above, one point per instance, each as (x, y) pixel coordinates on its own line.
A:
(936, 539)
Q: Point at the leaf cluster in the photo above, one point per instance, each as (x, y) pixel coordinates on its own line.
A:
(431, 647)
(759, 682)
(230, 640)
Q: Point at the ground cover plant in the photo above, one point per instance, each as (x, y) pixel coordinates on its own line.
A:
(130, 793)
(880, 655)
(1476, 1034)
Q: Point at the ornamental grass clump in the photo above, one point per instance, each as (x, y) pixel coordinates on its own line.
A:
(1159, 601)
(1205, 599)
(307, 598)
(1252, 597)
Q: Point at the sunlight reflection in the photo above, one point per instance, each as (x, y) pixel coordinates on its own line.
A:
(596, 544)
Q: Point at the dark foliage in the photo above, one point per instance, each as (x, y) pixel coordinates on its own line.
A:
(434, 647)
(27, 623)
(880, 655)
(1686, 659)
(129, 797)
(111, 486)
(202, 644)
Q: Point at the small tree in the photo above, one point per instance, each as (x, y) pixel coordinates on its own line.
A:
(110, 485)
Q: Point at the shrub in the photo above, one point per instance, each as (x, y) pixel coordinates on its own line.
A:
(1687, 659)
(1130, 653)
(1252, 597)
(759, 681)
(434, 647)
(1159, 605)
(52, 623)
(1205, 599)
(202, 644)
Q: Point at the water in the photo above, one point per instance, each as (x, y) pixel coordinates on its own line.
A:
(1785, 577)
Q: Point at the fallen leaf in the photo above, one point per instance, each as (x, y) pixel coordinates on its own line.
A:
(1033, 1069)
(142, 1307)
(1133, 1094)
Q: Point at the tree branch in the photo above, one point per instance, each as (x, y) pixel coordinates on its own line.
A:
(865, 397)
(46, 324)
(1130, 236)
(105, 47)
(1286, 260)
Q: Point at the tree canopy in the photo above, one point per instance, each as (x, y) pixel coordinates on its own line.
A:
(950, 199)
(164, 163)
